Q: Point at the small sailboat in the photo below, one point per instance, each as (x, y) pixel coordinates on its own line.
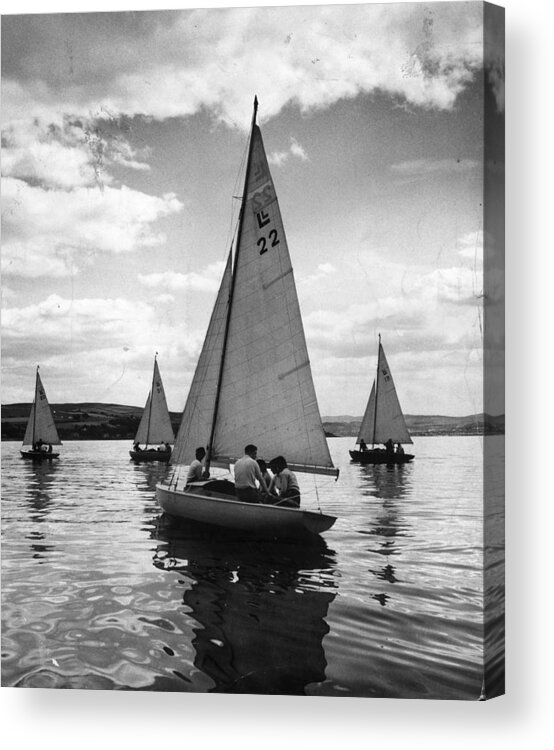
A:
(41, 433)
(253, 379)
(155, 425)
(383, 421)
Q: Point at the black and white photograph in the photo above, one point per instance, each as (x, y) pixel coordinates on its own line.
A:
(253, 400)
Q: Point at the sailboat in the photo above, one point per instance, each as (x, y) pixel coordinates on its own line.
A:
(253, 380)
(383, 421)
(155, 425)
(41, 433)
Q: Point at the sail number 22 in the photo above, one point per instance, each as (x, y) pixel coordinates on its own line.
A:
(265, 244)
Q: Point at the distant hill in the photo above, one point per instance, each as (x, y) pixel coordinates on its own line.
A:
(93, 421)
(432, 424)
(83, 421)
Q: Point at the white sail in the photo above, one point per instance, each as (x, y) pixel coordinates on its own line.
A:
(155, 424)
(383, 418)
(254, 372)
(41, 422)
(267, 396)
(196, 423)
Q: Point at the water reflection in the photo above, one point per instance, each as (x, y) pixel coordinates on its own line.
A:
(38, 487)
(387, 482)
(260, 608)
(147, 475)
(391, 486)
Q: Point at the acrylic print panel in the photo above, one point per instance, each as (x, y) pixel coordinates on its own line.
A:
(125, 153)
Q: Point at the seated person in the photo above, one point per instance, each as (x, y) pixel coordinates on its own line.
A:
(399, 449)
(248, 476)
(196, 470)
(284, 484)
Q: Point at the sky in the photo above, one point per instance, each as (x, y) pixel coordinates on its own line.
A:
(123, 146)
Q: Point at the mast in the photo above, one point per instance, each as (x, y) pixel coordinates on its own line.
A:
(376, 391)
(151, 399)
(232, 289)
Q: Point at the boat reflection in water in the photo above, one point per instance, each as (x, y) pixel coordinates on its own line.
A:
(391, 486)
(260, 607)
(38, 489)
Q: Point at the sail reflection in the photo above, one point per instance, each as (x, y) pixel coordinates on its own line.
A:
(391, 485)
(260, 608)
(386, 481)
(38, 487)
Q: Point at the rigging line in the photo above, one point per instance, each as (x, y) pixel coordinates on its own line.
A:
(233, 222)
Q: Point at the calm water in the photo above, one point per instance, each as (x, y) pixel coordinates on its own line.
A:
(99, 590)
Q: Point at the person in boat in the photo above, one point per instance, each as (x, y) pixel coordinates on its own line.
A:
(363, 445)
(49, 447)
(136, 447)
(167, 447)
(284, 484)
(399, 449)
(389, 447)
(197, 472)
(265, 473)
(248, 477)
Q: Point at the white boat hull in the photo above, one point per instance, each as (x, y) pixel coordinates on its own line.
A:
(256, 518)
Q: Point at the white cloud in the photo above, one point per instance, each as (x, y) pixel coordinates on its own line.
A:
(64, 227)
(471, 246)
(423, 167)
(207, 281)
(216, 58)
(70, 338)
(64, 152)
(278, 158)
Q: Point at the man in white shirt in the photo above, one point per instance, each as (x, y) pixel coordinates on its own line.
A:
(196, 469)
(247, 473)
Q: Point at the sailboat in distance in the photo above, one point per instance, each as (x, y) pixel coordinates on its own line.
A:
(253, 381)
(155, 425)
(41, 433)
(383, 421)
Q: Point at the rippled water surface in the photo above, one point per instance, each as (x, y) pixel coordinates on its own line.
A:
(100, 590)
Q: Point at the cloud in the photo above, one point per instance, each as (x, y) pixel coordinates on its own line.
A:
(422, 167)
(278, 158)
(471, 246)
(178, 63)
(65, 153)
(71, 338)
(207, 281)
(64, 228)
(438, 310)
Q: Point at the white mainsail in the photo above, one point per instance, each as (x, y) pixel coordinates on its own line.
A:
(41, 422)
(265, 390)
(383, 418)
(155, 424)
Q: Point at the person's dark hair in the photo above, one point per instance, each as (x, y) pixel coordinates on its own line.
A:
(262, 464)
(250, 449)
(277, 464)
(200, 453)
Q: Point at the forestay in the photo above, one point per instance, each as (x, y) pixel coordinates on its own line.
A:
(41, 422)
(383, 418)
